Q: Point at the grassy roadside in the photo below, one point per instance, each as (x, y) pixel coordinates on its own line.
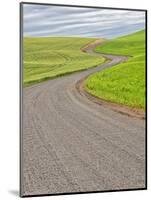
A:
(46, 58)
(124, 83)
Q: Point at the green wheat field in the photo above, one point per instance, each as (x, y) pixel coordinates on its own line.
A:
(125, 82)
(50, 57)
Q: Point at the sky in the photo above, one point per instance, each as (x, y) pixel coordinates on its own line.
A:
(44, 21)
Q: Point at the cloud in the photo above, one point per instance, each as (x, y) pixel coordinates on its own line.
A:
(44, 20)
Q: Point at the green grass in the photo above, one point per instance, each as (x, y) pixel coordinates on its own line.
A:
(46, 58)
(125, 82)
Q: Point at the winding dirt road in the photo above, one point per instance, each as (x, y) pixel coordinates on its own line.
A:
(71, 144)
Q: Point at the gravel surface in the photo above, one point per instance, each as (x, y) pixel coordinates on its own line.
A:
(70, 144)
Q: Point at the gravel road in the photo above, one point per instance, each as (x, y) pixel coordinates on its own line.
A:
(70, 144)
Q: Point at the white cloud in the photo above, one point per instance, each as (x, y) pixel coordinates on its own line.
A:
(44, 20)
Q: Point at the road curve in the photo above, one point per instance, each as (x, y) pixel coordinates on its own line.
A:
(70, 144)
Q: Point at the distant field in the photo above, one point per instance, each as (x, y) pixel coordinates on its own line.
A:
(124, 83)
(45, 58)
